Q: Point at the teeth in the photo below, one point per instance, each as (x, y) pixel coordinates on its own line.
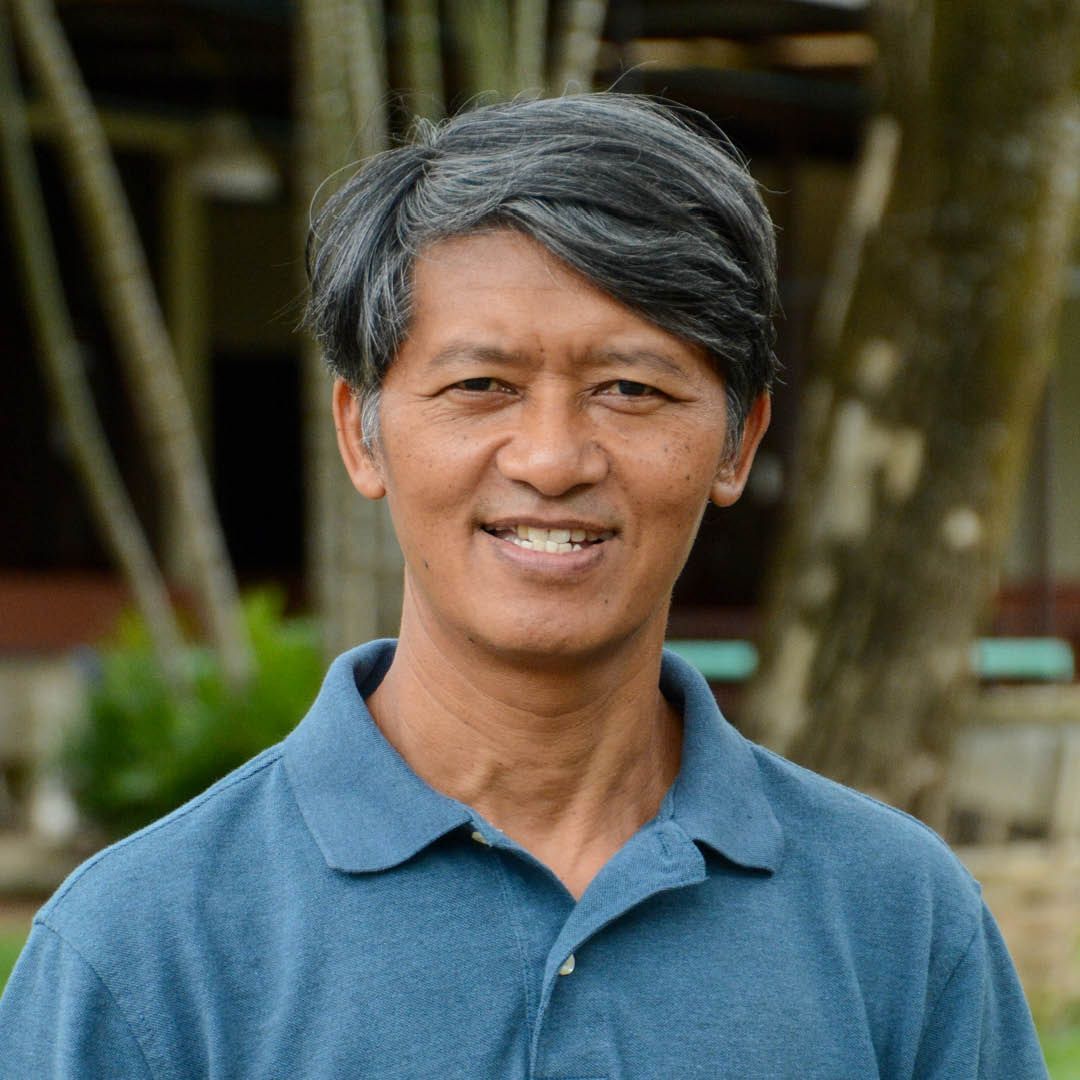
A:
(553, 541)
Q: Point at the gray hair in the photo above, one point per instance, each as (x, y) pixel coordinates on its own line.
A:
(622, 188)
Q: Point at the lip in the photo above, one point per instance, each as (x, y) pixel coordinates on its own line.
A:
(548, 523)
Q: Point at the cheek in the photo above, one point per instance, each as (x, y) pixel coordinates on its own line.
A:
(420, 461)
(431, 479)
(674, 480)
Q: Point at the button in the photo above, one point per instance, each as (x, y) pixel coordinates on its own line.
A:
(480, 838)
(568, 965)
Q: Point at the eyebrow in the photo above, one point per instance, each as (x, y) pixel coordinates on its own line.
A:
(488, 354)
(644, 358)
(492, 354)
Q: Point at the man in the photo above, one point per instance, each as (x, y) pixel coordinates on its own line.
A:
(522, 842)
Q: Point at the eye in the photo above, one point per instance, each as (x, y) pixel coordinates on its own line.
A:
(479, 385)
(630, 389)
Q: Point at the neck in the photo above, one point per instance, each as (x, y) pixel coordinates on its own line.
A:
(569, 759)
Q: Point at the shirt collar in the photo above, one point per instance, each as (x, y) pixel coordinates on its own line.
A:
(364, 805)
(718, 797)
(368, 810)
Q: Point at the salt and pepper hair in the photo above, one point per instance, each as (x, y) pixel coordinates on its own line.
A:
(649, 209)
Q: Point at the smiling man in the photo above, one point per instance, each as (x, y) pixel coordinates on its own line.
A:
(521, 841)
(547, 454)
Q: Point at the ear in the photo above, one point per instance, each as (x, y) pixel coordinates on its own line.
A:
(360, 461)
(731, 479)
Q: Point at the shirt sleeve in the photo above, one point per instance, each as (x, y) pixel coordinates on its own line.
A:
(980, 1027)
(58, 1020)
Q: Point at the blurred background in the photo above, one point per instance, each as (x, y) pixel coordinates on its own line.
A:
(896, 599)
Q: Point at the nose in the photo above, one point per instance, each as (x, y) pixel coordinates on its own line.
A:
(553, 448)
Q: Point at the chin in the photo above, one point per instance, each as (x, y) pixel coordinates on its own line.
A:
(538, 648)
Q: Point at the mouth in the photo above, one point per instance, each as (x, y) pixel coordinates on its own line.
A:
(552, 541)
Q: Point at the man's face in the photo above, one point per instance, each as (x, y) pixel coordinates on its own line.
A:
(547, 454)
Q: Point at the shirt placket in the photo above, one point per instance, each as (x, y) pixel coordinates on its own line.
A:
(660, 858)
(537, 906)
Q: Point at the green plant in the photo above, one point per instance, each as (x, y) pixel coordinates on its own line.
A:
(1062, 1049)
(145, 749)
(11, 943)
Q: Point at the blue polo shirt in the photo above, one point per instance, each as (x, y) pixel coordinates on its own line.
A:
(322, 912)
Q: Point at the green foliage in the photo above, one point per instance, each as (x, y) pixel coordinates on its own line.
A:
(145, 748)
(1062, 1049)
(11, 943)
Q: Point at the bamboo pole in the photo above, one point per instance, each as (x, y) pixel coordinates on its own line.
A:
(353, 559)
(139, 328)
(422, 57)
(482, 31)
(365, 72)
(579, 46)
(61, 360)
(530, 43)
(370, 568)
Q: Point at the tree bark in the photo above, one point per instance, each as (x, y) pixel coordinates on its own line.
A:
(61, 359)
(354, 563)
(916, 426)
(139, 328)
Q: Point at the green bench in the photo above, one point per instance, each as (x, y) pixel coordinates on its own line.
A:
(1024, 659)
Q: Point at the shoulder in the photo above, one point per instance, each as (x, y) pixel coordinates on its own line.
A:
(868, 857)
(879, 888)
(117, 959)
(216, 838)
(816, 810)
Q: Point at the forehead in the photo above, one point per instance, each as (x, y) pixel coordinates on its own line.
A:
(504, 290)
(463, 275)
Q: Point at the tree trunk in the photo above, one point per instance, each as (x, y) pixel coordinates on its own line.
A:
(139, 328)
(916, 426)
(61, 359)
(354, 563)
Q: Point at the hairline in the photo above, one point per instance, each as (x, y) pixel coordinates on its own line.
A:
(496, 168)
